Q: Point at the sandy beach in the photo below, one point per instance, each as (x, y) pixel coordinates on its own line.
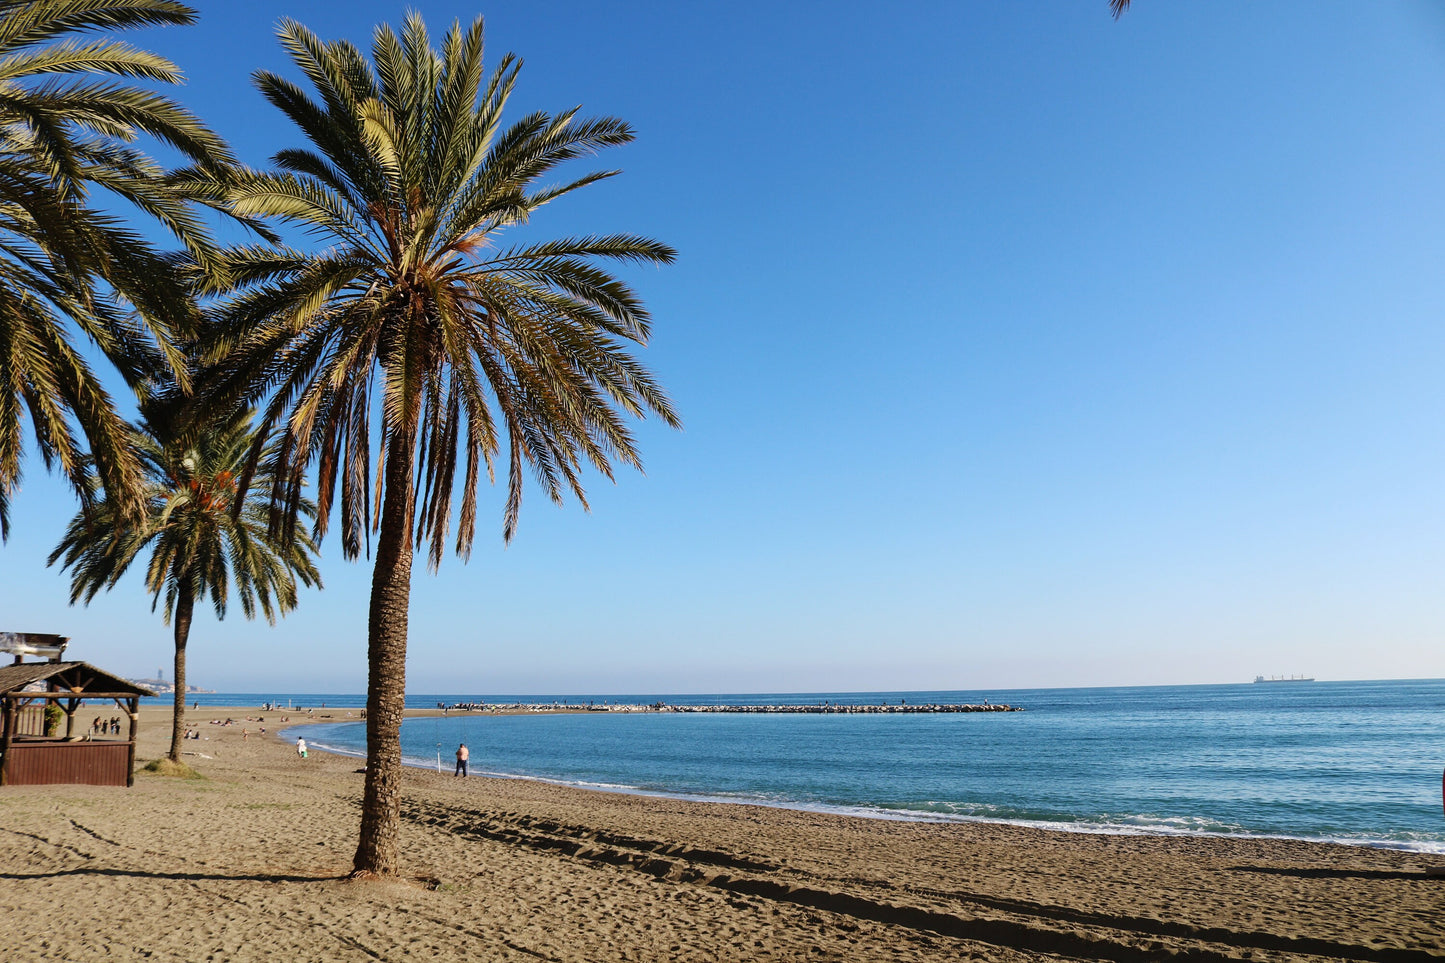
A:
(246, 864)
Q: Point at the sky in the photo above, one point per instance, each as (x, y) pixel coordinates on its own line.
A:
(1015, 346)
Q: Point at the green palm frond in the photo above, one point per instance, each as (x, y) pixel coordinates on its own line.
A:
(202, 539)
(69, 116)
(27, 24)
(415, 331)
(97, 56)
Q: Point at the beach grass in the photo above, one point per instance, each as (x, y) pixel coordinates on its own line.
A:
(174, 770)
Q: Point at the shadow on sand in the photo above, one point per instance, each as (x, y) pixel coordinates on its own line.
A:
(1316, 873)
(143, 874)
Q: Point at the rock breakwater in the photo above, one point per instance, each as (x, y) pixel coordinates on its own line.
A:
(825, 708)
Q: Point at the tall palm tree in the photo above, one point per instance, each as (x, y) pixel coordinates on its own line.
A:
(201, 536)
(68, 115)
(412, 329)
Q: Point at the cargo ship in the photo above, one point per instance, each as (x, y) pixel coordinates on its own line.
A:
(1284, 678)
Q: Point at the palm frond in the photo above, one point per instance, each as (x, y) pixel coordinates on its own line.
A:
(412, 332)
(70, 119)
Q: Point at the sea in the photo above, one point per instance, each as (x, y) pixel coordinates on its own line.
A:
(1358, 763)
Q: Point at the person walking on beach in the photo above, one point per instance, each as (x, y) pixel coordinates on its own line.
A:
(301, 748)
(462, 756)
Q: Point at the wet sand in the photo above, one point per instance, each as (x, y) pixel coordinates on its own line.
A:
(247, 864)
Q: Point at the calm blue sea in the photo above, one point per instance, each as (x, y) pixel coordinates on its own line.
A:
(1353, 762)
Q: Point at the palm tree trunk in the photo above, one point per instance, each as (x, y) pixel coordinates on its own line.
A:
(185, 605)
(377, 853)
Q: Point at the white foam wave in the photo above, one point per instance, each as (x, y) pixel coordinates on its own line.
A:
(1114, 824)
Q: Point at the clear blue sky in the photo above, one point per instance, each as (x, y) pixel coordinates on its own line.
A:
(1016, 347)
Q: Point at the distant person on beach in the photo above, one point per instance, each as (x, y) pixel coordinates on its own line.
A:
(462, 756)
(301, 748)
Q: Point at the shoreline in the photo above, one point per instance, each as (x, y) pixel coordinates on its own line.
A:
(248, 864)
(1423, 849)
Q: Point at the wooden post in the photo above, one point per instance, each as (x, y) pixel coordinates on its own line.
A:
(133, 708)
(9, 737)
(70, 706)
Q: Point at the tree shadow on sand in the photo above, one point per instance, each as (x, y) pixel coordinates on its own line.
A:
(151, 874)
(1303, 872)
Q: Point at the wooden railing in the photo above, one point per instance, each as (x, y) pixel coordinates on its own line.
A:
(48, 761)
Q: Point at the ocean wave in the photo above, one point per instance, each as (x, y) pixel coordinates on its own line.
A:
(1266, 765)
(1110, 825)
(1151, 825)
(1105, 824)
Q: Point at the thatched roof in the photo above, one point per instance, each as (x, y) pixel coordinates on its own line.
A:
(79, 680)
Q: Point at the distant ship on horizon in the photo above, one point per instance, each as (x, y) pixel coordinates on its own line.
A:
(1284, 678)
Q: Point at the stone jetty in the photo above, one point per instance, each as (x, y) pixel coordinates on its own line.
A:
(825, 708)
(829, 708)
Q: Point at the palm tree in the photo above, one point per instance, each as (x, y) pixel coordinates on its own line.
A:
(201, 538)
(414, 331)
(66, 128)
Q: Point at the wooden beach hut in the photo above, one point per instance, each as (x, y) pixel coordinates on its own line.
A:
(31, 757)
